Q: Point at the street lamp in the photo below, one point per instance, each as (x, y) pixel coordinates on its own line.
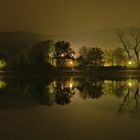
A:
(71, 62)
(129, 62)
(62, 55)
(129, 84)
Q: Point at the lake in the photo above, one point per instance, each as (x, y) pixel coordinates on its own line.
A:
(69, 108)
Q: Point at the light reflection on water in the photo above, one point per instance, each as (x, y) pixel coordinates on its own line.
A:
(80, 106)
(62, 91)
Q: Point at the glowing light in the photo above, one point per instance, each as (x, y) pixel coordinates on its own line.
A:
(71, 62)
(62, 55)
(130, 84)
(129, 62)
(71, 85)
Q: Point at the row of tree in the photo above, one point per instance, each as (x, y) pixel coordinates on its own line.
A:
(61, 55)
(46, 53)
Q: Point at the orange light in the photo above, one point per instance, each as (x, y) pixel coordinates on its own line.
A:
(71, 62)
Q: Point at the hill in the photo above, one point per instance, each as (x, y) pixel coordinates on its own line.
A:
(12, 42)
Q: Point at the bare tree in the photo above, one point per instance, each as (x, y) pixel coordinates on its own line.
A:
(124, 43)
(116, 57)
(131, 44)
(131, 98)
(135, 45)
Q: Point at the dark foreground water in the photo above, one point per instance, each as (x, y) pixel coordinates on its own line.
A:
(69, 108)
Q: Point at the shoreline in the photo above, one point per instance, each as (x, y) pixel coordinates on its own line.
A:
(100, 73)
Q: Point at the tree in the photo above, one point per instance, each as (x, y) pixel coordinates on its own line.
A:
(95, 57)
(82, 62)
(63, 52)
(91, 57)
(91, 88)
(38, 53)
(131, 44)
(84, 52)
(116, 57)
(109, 58)
(82, 59)
(124, 43)
(135, 45)
(120, 56)
(3, 61)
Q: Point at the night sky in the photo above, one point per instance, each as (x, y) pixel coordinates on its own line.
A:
(67, 16)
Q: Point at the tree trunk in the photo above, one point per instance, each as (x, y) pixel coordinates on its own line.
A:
(125, 47)
(138, 58)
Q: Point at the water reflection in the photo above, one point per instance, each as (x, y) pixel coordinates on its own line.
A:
(131, 98)
(91, 88)
(62, 90)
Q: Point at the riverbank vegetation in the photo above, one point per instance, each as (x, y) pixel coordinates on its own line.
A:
(49, 55)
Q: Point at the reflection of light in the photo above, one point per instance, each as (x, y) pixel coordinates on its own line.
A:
(2, 64)
(2, 84)
(62, 87)
(71, 85)
(130, 84)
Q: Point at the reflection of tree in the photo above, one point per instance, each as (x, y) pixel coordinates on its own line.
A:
(47, 93)
(62, 97)
(44, 98)
(124, 101)
(91, 89)
(63, 93)
(39, 92)
(131, 100)
(117, 88)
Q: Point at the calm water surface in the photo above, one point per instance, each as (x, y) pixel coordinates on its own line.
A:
(69, 108)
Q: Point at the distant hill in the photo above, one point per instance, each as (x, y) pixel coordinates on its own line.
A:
(12, 42)
(106, 38)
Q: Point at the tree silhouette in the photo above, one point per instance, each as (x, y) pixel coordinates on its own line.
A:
(116, 57)
(131, 101)
(131, 44)
(95, 57)
(91, 57)
(63, 52)
(90, 88)
(82, 62)
(38, 53)
(63, 93)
